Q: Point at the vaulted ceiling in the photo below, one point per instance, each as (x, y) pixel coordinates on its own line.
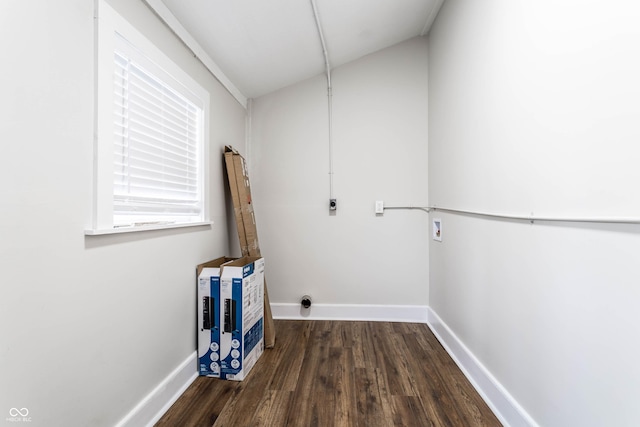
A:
(264, 45)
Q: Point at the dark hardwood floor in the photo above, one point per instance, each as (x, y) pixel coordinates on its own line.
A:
(329, 373)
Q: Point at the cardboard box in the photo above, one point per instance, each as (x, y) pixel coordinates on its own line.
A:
(208, 278)
(241, 317)
(240, 189)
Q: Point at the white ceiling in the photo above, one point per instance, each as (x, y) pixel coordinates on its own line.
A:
(264, 45)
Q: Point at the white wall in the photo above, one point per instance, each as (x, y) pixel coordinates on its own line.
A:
(88, 325)
(380, 153)
(534, 108)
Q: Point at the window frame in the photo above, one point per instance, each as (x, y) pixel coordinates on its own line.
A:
(109, 27)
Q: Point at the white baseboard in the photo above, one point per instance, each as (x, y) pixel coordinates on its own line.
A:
(503, 405)
(156, 403)
(375, 313)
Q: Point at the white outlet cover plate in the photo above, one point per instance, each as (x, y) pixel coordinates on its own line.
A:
(437, 229)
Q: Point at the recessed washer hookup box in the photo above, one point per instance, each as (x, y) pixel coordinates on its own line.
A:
(241, 317)
(208, 277)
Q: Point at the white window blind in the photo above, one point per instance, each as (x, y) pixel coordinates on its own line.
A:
(156, 147)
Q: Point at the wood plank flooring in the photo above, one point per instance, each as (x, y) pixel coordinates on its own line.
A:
(330, 373)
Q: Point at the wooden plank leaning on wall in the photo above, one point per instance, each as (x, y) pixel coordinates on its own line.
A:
(246, 224)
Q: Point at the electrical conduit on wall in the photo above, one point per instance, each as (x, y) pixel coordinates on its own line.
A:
(329, 99)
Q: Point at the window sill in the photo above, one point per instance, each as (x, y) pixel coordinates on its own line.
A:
(150, 227)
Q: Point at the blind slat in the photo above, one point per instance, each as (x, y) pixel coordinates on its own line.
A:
(160, 184)
(141, 150)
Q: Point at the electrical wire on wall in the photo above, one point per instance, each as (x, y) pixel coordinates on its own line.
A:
(332, 200)
(409, 207)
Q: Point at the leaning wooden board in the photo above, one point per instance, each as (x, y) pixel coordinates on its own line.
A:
(246, 224)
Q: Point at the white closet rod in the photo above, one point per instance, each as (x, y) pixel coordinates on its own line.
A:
(533, 218)
(530, 218)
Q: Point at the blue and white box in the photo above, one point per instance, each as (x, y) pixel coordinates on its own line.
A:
(241, 317)
(209, 317)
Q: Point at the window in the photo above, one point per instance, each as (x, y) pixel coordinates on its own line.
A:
(151, 128)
